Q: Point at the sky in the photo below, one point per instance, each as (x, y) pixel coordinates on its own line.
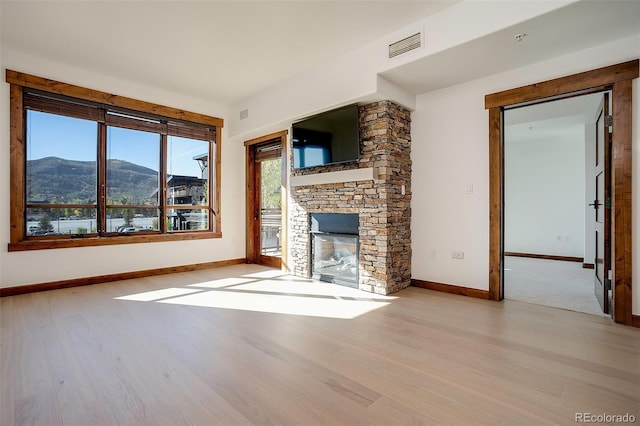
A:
(51, 135)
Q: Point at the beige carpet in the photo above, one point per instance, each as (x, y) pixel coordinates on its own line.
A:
(553, 283)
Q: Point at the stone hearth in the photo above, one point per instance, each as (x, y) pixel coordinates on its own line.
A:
(383, 203)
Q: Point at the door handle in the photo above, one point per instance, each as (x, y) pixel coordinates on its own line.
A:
(595, 204)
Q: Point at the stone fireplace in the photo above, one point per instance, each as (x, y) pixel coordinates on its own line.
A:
(377, 189)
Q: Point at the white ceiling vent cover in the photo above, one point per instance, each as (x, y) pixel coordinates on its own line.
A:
(405, 45)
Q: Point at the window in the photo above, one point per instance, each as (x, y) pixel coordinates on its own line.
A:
(89, 168)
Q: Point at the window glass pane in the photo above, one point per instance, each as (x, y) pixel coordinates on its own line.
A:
(270, 207)
(96, 169)
(123, 220)
(66, 221)
(61, 159)
(133, 157)
(187, 220)
(187, 171)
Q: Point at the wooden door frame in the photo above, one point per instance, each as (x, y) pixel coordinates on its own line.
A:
(252, 251)
(617, 78)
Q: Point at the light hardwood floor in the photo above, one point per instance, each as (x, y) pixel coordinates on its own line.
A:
(245, 345)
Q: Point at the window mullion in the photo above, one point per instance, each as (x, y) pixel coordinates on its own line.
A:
(162, 190)
(102, 178)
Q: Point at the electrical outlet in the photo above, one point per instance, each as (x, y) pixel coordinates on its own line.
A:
(457, 254)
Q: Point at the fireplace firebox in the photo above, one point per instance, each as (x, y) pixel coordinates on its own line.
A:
(335, 248)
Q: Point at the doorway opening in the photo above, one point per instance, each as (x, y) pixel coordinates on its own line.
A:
(266, 200)
(551, 244)
(619, 80)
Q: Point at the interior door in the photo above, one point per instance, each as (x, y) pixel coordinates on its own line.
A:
(267, 203)
(602, 206)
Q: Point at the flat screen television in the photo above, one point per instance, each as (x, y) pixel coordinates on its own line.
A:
(331, 137)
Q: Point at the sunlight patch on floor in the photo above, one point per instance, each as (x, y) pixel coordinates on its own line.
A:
(280, 304)
(305, 288)
(270, 273)
(223, 282)
(271, 292)
(164, 293)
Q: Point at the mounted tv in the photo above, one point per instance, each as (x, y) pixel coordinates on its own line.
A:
(331, 137)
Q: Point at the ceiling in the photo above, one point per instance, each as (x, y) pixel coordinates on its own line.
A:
(229, 51)
(221, 50)
(551, 120)
(575, 27)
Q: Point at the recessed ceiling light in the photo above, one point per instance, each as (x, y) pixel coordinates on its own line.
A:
(519, 37)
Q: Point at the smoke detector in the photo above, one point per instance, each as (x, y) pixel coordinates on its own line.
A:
(519, 37)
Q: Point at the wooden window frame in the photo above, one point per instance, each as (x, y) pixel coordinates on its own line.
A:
(18, 240)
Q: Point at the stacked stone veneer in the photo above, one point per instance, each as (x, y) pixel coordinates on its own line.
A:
(385, 214)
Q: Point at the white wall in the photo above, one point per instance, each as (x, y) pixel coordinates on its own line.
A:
(545, 194)
(353, 77)
(20, 268)
(450, 151)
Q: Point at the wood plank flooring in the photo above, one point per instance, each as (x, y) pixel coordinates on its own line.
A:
(245, 345)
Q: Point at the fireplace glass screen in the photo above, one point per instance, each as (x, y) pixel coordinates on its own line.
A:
(335, 258)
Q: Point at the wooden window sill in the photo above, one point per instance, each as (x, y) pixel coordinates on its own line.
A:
(107, 241)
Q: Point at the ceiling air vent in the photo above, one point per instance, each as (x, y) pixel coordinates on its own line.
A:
(405, 45)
